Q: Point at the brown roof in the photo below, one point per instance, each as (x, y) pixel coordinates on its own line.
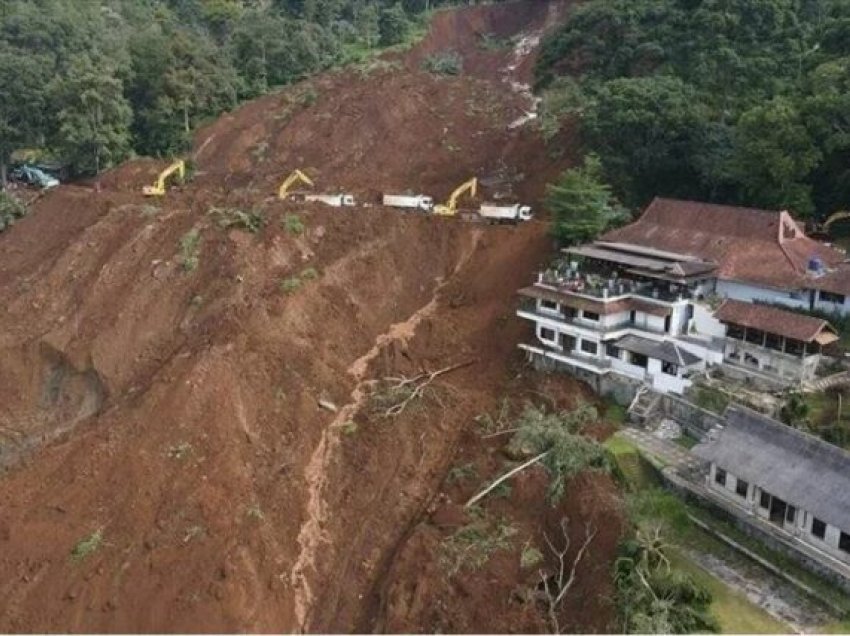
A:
(597, 306)
(773, 320)
(752, 245)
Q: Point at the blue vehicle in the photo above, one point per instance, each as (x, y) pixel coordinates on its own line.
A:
(34, 176)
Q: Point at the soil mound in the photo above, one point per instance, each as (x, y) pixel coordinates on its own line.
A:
(190, 421)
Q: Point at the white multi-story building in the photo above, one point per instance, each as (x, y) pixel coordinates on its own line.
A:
(646, 304)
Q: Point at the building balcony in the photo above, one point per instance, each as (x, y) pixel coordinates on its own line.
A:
(601, 287)
(591, 363)
(529, 311)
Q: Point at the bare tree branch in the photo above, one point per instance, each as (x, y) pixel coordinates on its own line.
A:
(557, 586)
(419, 383)
(505, 477)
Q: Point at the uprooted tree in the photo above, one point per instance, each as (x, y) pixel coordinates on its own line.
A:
(554, 441)
(653, 597)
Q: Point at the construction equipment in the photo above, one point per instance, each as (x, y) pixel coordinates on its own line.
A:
(505, 213)
(409, 202)
(450, 207)
(838, 216)
(158, 189)
(333, 200)
(291, 180)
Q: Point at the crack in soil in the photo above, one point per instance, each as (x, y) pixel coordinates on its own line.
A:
(313, 533)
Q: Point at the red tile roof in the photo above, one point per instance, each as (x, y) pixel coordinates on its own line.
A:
(772, 320)
(751, 245)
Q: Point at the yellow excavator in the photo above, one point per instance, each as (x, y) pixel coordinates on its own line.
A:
(450, 207)
(291, 180)
(821, 230)
(158, 189)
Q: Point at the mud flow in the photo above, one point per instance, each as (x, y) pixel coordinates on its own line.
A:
(191, 431)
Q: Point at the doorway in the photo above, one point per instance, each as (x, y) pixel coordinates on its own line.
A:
(778, 508)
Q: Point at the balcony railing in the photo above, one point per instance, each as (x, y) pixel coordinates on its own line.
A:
(596, 286)
(530, 307)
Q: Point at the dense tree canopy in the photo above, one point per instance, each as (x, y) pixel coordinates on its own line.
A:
(93, 82)
(739, 101)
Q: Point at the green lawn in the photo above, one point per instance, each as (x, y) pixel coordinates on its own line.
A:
(733, 611)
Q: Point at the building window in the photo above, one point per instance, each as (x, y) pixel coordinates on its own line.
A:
(639, 360)
(794, 347)
(669, 368)
(720, 476)
(764, 500)
(755, 336)
(734, 331)
(741, 488)
(548, 334)
(548, 305)
(588, 346)
(772, 341)
(844, 541)
(829, 297)
(818, 528)
(790, 514)
(590, 315)
(612, 351)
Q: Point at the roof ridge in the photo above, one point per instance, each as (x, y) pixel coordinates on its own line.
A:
(787, 429)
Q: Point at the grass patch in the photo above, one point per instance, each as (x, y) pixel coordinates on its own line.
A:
(686, 441)
(828, 416)
(445, 63)
(188, 256)
(292, 284)
(618, 445)
(733, 611)
(87, 546)
(711, 399)
(292, 224)
(530, 556)
(229, 218)
(492, 42)
(616, 413)
(473, 545)
(462, 473)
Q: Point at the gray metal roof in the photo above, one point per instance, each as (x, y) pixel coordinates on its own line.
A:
(665, 351)
(802, 469)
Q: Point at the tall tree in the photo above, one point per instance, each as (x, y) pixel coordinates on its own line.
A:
(582, 203)
(22, 99)
(93, 115)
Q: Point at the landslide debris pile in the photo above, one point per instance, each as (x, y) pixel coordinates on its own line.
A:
(187, 410)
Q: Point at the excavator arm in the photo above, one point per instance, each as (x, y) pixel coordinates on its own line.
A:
(838, 216)
(158, 189)
(450, 207)
(291, 180)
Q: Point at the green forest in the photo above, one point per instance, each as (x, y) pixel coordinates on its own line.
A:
(733, 101)
(93, 82)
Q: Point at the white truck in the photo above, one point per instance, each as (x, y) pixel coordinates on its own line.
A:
(333, 200)
(409, 202)
(505, 213)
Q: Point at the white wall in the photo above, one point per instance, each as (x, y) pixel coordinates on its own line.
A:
(748, 293)
(836, 308)
(706, 324)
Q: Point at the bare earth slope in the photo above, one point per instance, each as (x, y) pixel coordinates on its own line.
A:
(168, 466)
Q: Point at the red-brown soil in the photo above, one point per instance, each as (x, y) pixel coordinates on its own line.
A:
(176, 414)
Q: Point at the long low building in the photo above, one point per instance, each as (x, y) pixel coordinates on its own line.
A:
(795, 481)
